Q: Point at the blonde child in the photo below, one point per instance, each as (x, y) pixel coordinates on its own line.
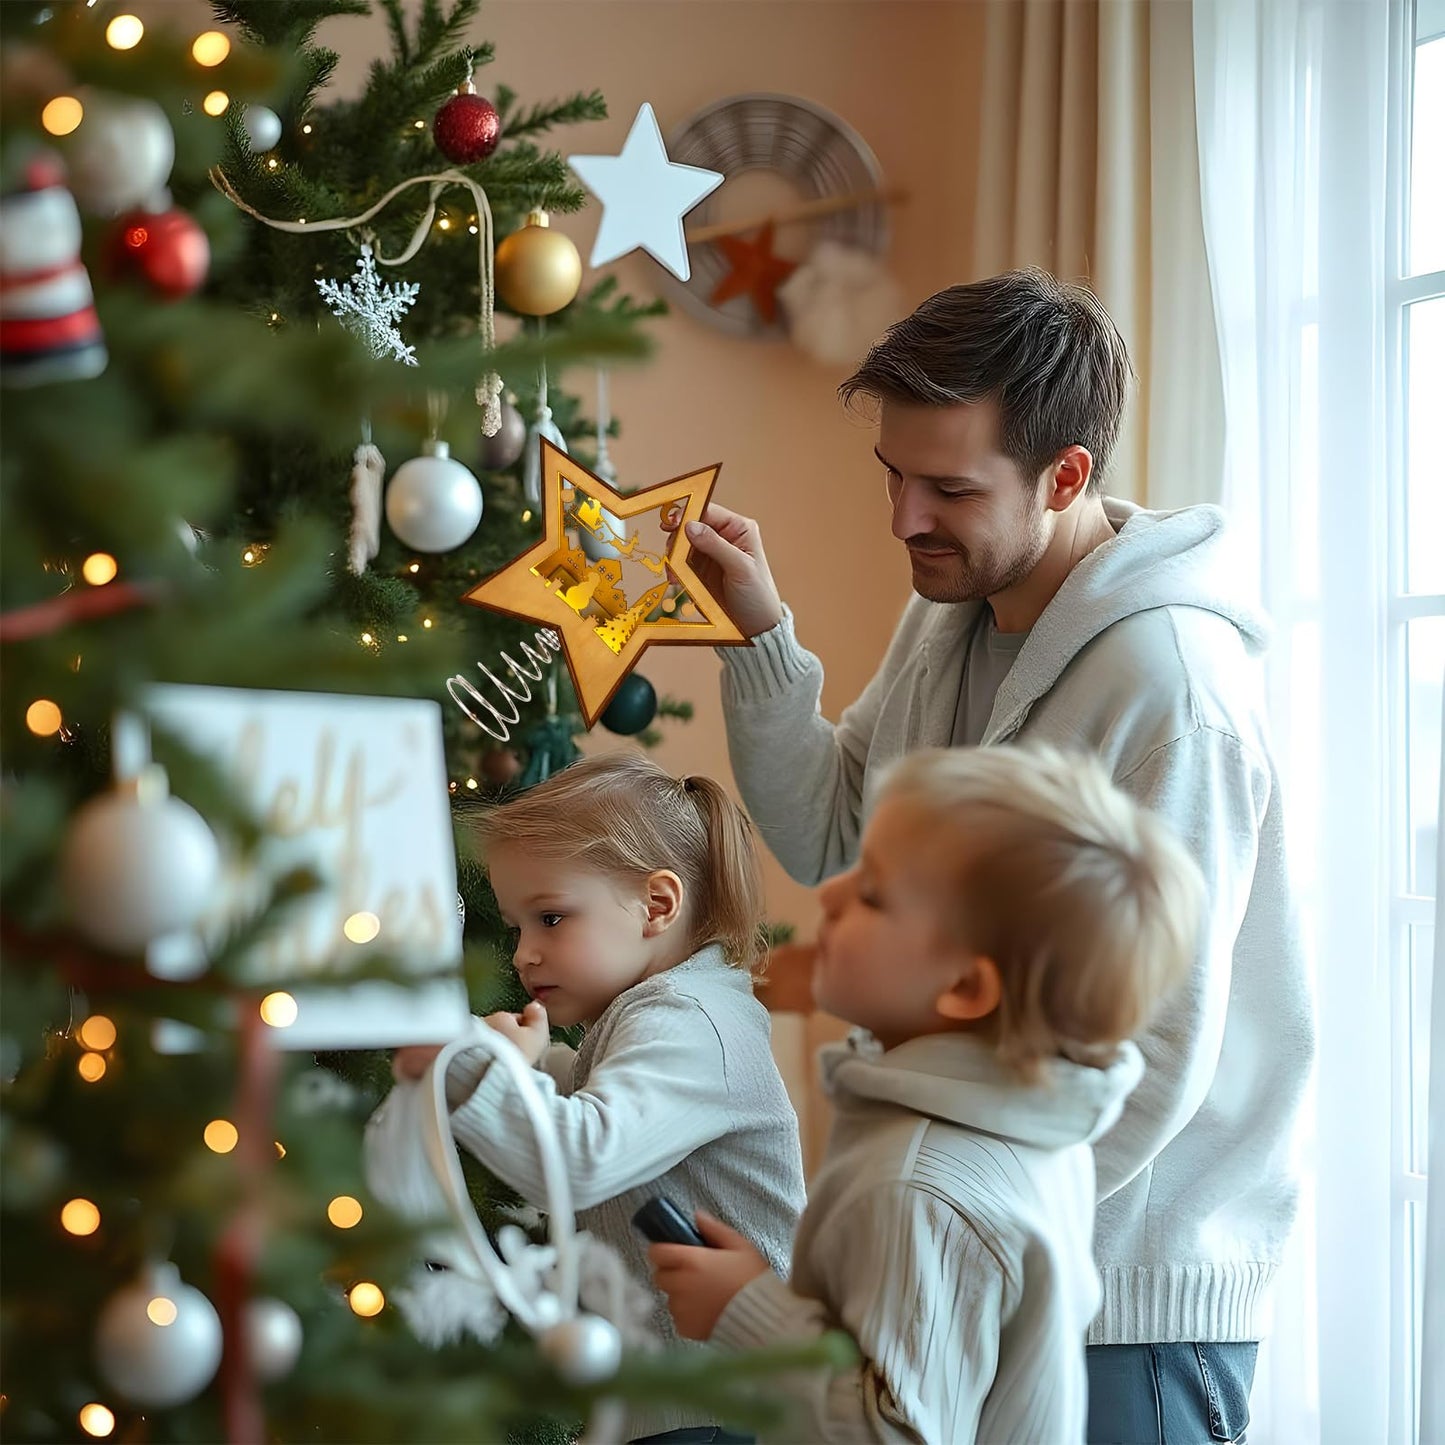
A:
(1012, 921)
(635, 903)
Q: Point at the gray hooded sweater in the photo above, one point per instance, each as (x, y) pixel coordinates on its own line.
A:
(1145, 658)
(948, 1232)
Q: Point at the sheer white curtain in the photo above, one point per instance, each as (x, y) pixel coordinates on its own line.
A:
(1291, 99)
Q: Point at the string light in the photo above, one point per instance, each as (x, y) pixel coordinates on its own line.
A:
(99, 568)
(426, 622)
(279, 1010)
(452, 786)
(280, 1149)
(96, 1420)
(255, 554)
(124, 32)
(344, 1211)
(221, 1136)
(414, 568)
(211, 48)
(367, 638)
(272, 164)
(419, 124)
(217, 103)
(361, 927)
(79, 1217)
(162, 1311)
(43, 718)
(97, 1032)
(306, 129)
(62, 115)
(275, 317)
(444, 224)
(91, 1067)
(471, 230)
(472, 783)
(366, 1299)
(527, 515)
(401, 637)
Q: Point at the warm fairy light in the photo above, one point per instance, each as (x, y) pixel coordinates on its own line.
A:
(96, 1420)
(279, 1010)
(361, 927)
(42, 717)
(62, 115)
(527, 515)
(300, 220)
(249, 556)
(401, 637)
(444, 224)
(280, 1149)
(99, 568)
(80, 1216)
(91, 1067)
(452, 786)
(344, 1212)
(367, 638)
(162, 1311)
(217, 103)
(97, 1032)
(366, 1299)
(306, 129)
(414, 568)
(211, 48)
(272, 164)
(472, 783)
(426, 622)
(471, 230)
(275, 317)
(221, 1136)
(419, 124)
(124, 32)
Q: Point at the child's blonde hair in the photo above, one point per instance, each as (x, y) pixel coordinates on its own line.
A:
(623, 816)
(1086, 902)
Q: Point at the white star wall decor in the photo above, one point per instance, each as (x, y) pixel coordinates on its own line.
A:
(644, 197)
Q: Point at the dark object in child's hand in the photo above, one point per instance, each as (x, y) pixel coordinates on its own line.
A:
(664, 1223)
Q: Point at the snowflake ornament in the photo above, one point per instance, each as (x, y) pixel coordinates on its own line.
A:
(372, 308)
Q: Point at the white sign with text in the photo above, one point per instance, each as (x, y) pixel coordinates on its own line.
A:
(354, 788)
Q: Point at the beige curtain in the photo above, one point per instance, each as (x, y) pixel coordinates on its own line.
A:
(1090, 168)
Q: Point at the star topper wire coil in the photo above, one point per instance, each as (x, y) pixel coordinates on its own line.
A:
(604, 624)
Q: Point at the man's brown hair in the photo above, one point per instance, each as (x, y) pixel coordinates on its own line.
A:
(1044, 351)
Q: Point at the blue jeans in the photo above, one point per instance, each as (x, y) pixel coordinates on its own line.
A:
(1188, 1394)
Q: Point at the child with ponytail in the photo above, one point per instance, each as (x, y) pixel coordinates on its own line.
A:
(635, 904)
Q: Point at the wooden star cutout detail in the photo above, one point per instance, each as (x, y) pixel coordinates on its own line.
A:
(754, 271)
(603, 630)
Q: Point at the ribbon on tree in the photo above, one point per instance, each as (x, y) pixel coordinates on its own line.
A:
(489, 389)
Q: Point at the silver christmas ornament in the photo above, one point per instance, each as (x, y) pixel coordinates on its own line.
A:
(262, 126)
(372, 308)
(433, 503)
(584, 1350)
(158, 1341)
(499, 452)
(273, 1338)
(120, 155)
(138, 864)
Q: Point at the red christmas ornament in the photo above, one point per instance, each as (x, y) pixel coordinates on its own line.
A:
(167, 248)
(467, 127)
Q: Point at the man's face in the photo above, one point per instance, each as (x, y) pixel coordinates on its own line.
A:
(973, 524)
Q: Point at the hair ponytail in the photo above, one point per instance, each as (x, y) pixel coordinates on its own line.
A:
(730, 909)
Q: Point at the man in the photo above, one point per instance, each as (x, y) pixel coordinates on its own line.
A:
(1046, 611)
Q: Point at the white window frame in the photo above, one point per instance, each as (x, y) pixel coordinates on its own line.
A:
(1406, 909)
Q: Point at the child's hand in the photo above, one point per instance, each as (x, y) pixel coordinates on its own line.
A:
(529, 1030)
(699, 1283)
(414, 1060)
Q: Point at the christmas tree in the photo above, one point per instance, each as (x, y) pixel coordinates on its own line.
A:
(189, 1252)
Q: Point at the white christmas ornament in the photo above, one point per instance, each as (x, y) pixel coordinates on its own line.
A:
(262, 126)
(273, 1337)
(644, 197)
(839, 302)
(433, 503)
(120, 156)
(372, 309)
(584, 1350)
(137, 864)
(158, 1341)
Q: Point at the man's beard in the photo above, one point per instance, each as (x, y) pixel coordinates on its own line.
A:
(973, 576)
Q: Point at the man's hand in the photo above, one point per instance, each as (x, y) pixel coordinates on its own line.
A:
(529, 1030)
(414, 1060)
(727, 555)
(699, 1283)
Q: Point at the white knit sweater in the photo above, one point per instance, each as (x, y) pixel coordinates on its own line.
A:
(1145, 657)
(674, 1091)
(948, 1231)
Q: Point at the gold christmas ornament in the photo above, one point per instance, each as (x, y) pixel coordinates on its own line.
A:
(538, 269)
(609, 611)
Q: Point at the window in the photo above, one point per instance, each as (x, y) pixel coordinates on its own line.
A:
(1416, 653)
